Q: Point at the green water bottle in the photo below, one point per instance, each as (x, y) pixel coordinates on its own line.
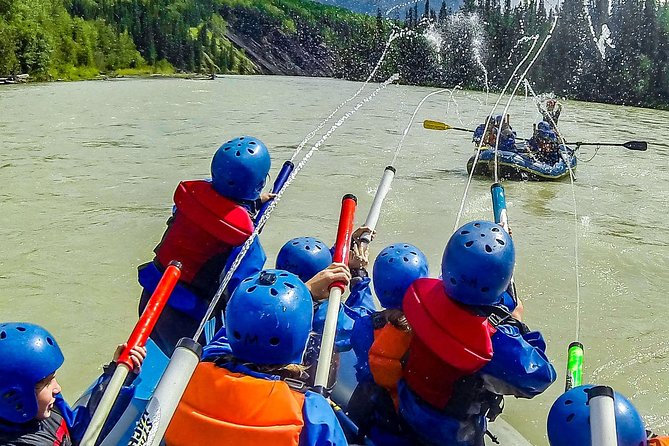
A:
(574, 366)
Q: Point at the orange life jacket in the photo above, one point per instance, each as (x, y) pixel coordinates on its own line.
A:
(389, 347)
(658, 441)
(222, 408)
(206, 224)
(449, 341)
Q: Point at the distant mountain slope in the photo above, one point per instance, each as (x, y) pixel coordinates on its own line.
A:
(372, 6)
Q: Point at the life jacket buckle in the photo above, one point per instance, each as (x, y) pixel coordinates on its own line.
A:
(295, 384)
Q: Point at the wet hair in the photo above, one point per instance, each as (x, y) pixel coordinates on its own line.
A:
(397, 318)
(291, 371)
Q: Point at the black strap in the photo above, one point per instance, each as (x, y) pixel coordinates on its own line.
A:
(493, 405)
(492, 437)
(359, 272)
(499, 316)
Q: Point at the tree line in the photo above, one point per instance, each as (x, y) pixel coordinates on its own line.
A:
(482, 40)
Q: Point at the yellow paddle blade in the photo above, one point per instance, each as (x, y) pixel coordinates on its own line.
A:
(435, 125)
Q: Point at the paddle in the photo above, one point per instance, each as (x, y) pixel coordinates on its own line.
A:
(340, 255)
(436, 125)
(641, 146)
(375, 210)
(138, 337)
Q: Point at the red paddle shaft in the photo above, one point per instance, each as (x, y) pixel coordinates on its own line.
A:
(344, 233)
(152, 312)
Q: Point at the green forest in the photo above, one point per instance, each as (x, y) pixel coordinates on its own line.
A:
(79, 39)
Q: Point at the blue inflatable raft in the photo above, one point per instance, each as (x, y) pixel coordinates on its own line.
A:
(520, 164)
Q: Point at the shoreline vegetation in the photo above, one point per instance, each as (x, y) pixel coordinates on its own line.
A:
(48, 40)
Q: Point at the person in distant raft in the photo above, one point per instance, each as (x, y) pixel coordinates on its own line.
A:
(550, 112)
(466, 350)
(32, 410)
(255, 394)
(496, 125)
(544, 145)
(210, 222)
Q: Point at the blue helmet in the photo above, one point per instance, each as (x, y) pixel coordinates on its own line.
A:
(268, 318)
(478, 263)
(544, 126)
(304, 257)
(545, 132)
(240, 167)
(395, 268)
(29, 354)
(569, 420)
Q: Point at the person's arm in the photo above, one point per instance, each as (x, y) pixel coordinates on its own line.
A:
(321, 427)
(478, 134)
(218, 346)
(319, 285)
(362, 338)
(344, 326)
(79, 418)
(252, 263)
(519, 365)
(361, 301)
(358, 259)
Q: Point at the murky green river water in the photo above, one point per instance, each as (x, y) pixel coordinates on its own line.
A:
(88, 170)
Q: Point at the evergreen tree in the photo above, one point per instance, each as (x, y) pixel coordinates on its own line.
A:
(443, 12)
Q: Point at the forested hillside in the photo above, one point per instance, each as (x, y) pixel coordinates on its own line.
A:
(52, 39)
(41, 38)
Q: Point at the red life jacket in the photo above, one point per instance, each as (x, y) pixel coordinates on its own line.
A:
(658, 441)
(385, 356)
(222, 408)
(449, 342)
(205, 225)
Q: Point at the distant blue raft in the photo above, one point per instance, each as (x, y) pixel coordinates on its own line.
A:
(521, 165)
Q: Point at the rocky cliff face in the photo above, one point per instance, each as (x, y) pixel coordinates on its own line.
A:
(277, 53)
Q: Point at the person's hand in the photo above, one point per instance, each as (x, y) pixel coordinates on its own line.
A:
(266, 196)
(358, 256)
(319, 285)
(361, 230)
(137, 355)
(519, 310)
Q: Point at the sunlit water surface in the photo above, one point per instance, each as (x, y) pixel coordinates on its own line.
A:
(88, 170)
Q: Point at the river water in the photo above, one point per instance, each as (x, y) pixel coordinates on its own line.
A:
(88, 170)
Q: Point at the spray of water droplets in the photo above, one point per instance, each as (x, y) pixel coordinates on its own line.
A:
(277, 199)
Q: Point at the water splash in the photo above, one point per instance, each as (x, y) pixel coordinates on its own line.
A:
(485, 129)
(604, 39)
(463, 23)
(413, 116)
(401, 5)
(434, 38)
(393, 35)
(277, 199)
(576, 222)
(518, 43)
